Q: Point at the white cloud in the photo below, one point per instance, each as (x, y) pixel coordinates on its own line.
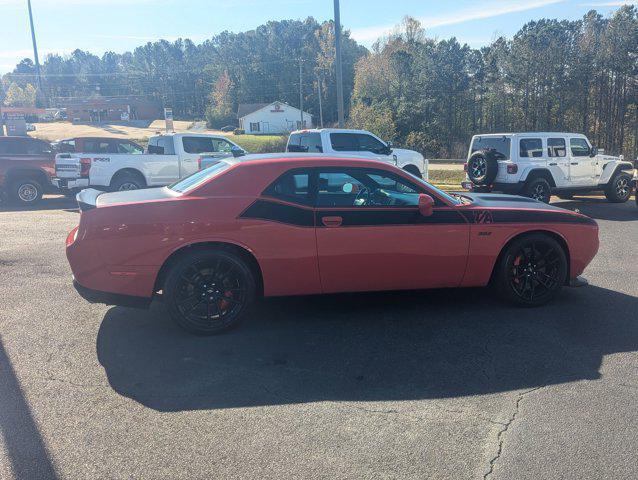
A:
(494, 9)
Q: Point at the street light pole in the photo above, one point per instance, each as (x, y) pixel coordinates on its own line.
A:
(35, 47)
(338, 64)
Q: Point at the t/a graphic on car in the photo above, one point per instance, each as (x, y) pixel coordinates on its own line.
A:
(299, 225)
(538, 165)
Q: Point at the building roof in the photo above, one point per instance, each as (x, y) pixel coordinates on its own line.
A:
(246, 108)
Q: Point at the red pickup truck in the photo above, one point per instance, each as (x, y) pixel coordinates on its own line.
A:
(26, 167)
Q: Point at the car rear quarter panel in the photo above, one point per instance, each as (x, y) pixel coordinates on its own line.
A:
(488, 240)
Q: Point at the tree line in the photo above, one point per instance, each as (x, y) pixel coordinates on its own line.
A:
(424, 93)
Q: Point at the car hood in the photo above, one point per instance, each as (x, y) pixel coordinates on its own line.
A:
(517, 208)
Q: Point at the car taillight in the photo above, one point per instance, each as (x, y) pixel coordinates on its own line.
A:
(465, 167)
(85, 167)
(71, 237)
(512, 168)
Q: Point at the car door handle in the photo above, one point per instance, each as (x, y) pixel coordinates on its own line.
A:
(332, 221)
(553, 164)
(574, 163)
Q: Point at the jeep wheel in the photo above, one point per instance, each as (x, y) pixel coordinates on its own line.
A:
(207, 292)
(619, 188)
(482, 167)
(538, 189)
(26, 191)
(532, 270)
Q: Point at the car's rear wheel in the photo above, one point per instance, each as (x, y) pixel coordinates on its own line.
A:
(532, 270)
(208, 291)
(26, 191)
(619, 188)
(538, 189)
(127, 181)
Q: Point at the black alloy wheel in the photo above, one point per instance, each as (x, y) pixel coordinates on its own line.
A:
(532, 270)
(538, 189)
(619, 189)
(207, 292)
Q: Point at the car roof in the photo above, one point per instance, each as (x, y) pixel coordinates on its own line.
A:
(309, 158)
(534, 134)
(331, 130)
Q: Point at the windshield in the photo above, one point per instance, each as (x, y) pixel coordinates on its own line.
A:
(501, 145)
(196, 179)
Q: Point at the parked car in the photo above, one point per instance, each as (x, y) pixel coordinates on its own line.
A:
(169, 158)
(356, 142)
(214, 241)
(228, 128)
(97, 145)
(26, 168)
(30, 127)
(537, 165)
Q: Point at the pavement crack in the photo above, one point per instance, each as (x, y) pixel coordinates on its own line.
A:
(501, 433)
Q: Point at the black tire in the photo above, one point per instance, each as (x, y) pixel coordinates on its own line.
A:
(26, 191)
(413, 170)
(127, 181)
(539, 189)
(531, 271)
(482, 167)
(208, 291)
(619, 188)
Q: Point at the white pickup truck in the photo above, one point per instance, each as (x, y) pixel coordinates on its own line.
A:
(356, 142)
(168, 158)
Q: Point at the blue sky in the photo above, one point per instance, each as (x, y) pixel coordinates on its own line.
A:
(120, 25)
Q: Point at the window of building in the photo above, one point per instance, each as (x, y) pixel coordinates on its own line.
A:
(254, 126)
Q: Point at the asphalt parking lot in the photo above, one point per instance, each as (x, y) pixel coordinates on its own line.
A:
(441, 384)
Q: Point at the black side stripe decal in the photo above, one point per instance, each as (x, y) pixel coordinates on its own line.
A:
(280, 212)
(304, 217)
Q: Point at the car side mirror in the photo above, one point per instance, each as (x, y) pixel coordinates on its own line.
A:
(426, 205)
(593, 152)
(237, 152)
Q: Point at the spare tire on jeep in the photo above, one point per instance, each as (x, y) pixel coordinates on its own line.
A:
(482, 167)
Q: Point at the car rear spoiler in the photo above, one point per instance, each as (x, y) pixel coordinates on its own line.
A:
(87, 198)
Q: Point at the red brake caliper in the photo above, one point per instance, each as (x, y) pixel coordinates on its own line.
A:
(517, 263)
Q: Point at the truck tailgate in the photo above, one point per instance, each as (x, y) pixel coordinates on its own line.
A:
(67, 165)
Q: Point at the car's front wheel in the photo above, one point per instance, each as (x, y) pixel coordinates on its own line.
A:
(208, 291)
(532, 270)
(619, 188)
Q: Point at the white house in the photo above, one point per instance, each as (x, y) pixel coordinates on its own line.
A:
(275, 117)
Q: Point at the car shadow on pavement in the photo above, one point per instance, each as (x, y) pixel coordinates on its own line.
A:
(601, 209)
(366, 347)
(47, 203)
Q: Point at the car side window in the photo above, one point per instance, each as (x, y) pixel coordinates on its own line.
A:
(129, 148)
(97, 146)
(556, 147)
(579, 147)
(223, 146)
(166, 145)
(291, 187)
(344, 142)
(364, 188)
(367, 143)
(531, 148)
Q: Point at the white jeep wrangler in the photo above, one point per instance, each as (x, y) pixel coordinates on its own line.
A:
(538, 165)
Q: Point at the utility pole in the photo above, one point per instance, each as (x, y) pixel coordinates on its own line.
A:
(300, 95)
(35, 48)
(338, 62)
(319, 95)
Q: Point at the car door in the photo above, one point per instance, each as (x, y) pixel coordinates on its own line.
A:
(558, 160)
(371, 236)
(582, 166)
(532, 153)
